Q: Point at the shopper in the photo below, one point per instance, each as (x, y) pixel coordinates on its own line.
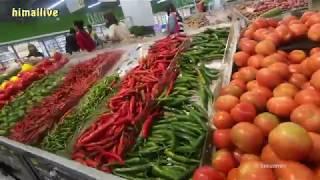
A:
(33, 51)
(84, 41)
(118, 31)
(71, 42)
(14, 65)
(201, 6)
(175, 23)
(94, 36)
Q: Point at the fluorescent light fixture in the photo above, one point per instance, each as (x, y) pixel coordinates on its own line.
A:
(93, 5)
(56, 4)
(161, 1)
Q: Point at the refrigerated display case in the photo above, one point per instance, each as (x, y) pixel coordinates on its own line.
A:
(46, 44)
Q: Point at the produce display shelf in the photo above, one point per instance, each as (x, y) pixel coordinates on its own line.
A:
(37, 164)
(46, 165)
(40, 164)
(225, 65)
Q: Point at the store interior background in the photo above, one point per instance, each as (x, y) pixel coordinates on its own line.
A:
(48, 33)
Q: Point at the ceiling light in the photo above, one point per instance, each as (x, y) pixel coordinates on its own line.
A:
(93, 5)
(56, 4)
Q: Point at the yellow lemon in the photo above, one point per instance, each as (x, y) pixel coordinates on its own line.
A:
(3, 85)
(26, 67)
(14, 78)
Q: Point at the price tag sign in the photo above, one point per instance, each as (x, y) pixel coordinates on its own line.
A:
(74, 5)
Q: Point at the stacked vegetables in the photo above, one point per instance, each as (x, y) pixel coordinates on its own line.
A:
(43, 116)
(61, 135)
(174, 147)
(268, 117)
(15, 110)
(108, 139)
(26, 77)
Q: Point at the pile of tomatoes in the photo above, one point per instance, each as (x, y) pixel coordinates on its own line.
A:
(267, 119)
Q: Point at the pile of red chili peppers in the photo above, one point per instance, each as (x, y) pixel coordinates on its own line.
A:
(43, 116)
(42, 69)
(114, 133)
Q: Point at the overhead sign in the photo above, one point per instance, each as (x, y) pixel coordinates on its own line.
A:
(74, 5)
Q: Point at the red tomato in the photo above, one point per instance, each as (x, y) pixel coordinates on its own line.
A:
(255, 99)
(255, 61)
(271, 59)
(294, 68)
(291, 170)
(316, 171)
(313, 19)
(223, 161)
(314, 33)
(287, 19)
(266, 122)
(307, 116)
(307, 85)
(306, 15)
(265, 47)
(298, 79)
(304, 68)
(247, 137)
(241, 58)
(314, 62)
(226, 102)
(248, 46)
(247, 73)
(236, 75)
(315, 80)
(237, 153)
(254, 170)
(249, 33)
(207, 173)
(260, 23)
(314, 156)
(233, 174)
(243, 112)
(260, 34)
(269, 156)
(280, 68)
(239, 83)
(249, 157)
(284, 32)
(314, 50)
(274, 37)
(298, 29)
(281, 106)
(251, 85)
(263, 91)
(232, 90)
(285, 89)
(222, 138)
(308, 96)
(283, 54)
(297, 56)
(267, 77)
(290, 141)
(222, 120)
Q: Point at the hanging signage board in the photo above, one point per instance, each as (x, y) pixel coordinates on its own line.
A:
(140, 11)
(74, 5)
